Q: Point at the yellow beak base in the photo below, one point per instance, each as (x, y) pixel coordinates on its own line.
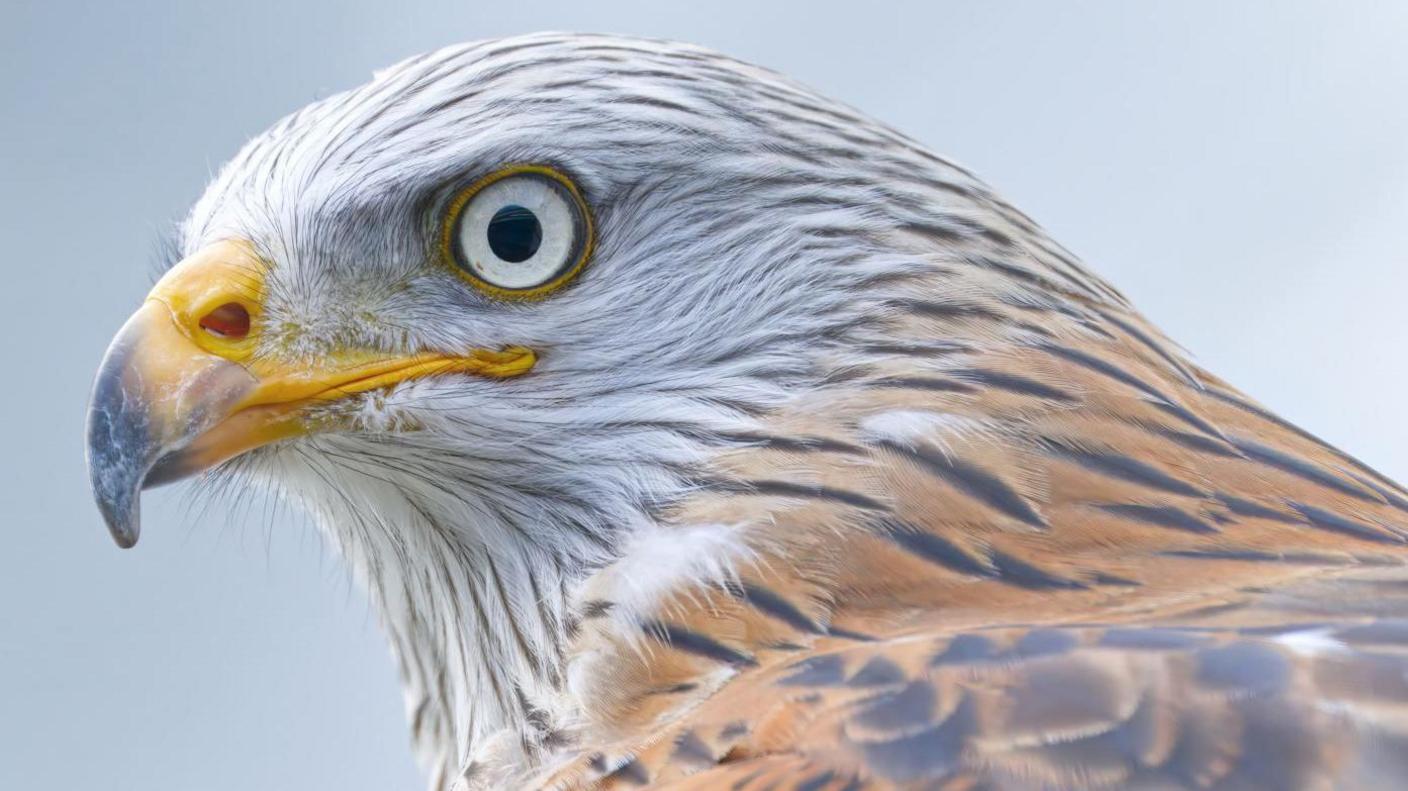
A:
(173, 398)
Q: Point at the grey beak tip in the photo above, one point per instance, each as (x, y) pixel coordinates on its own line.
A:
(123, 515)
(119, 453)
(124, 539)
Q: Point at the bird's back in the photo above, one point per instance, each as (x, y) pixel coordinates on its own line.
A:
(1066, 560)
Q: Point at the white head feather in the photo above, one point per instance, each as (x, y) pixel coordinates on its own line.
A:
(750, 236)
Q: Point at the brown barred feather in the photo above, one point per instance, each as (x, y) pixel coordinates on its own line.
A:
(1097, 567)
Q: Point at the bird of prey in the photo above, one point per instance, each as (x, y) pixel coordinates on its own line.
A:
(689, 429)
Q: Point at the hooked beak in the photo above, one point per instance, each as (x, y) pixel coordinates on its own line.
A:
(181, 388)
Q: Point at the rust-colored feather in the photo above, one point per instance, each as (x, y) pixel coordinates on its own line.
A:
(1053, 560)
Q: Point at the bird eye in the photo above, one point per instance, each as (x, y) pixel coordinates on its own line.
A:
(519, 233)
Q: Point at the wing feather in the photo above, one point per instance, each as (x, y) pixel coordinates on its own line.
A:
(1068, 561)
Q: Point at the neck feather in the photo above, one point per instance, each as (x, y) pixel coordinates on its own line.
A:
(472, 577)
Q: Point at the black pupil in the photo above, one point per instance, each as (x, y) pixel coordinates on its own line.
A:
(514, 234)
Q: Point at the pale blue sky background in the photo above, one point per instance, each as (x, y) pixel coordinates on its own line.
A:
(1239, 168)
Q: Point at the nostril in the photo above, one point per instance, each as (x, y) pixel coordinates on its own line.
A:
(230, 320)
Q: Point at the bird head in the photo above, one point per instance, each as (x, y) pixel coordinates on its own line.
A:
(511, 265)
(514, 304)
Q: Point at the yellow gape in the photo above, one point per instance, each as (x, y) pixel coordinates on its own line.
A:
(183, 386)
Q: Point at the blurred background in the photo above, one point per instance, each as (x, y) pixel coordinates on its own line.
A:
(1239, 170)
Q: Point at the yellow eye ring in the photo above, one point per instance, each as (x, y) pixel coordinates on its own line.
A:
(529, 233)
